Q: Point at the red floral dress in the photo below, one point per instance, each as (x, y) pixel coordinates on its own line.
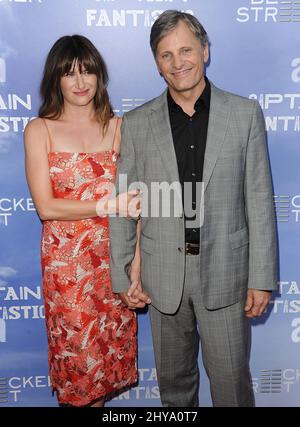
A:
(91, 334)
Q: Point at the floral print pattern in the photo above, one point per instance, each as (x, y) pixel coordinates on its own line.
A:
(91, 334)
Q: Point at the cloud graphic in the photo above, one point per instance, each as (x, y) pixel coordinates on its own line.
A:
(6, 272)
(6, 50)
(6, 141)
(7, 11)
(9, 17)
(4, 145)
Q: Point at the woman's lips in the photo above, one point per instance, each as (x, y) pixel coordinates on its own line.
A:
(82, 93)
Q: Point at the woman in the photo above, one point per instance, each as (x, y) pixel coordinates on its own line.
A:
(71, 152)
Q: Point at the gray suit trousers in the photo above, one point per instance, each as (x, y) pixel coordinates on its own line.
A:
(224, 338)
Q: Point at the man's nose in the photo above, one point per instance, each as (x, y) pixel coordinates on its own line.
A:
(177, 61)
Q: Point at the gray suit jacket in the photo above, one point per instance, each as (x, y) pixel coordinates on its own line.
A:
(238, 246)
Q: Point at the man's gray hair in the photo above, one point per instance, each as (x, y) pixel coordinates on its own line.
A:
(168, 20)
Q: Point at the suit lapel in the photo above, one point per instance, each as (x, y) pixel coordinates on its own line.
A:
(161, 128)
(217, 127)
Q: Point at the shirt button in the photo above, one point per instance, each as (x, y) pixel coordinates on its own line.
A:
(190, 119)
(193, 174)
(195, 231)
(192, 146)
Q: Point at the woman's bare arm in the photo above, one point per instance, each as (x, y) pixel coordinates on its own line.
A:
(38, 178)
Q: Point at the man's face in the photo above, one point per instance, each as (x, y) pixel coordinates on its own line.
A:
(180, 59)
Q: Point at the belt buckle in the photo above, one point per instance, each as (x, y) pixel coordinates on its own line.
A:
(191, 248)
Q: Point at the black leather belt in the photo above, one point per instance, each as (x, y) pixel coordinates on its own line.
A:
(192, 248)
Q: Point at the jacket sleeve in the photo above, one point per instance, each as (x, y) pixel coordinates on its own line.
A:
(260, 208)
(123, 230)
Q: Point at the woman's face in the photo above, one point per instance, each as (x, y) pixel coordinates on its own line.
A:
(78, 86)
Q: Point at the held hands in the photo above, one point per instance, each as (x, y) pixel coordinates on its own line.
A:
(256, 302)
(135, 297)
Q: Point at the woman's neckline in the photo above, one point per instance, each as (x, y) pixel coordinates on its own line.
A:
(83, 152)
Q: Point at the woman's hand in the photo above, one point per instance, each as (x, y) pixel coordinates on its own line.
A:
(134, 273)
(135, 293)
(124, 205)
(129, 204)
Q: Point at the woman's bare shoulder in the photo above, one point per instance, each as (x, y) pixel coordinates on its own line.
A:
(116, 119)
(35, 134)
(36, 125)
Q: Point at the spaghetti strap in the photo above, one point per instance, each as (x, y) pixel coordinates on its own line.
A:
(113, 144)
(48, 132)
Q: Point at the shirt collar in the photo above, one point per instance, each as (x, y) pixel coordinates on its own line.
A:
(202, 102)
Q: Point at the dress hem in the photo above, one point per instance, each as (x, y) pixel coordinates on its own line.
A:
(110, 394)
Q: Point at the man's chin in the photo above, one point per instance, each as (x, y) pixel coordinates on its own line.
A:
(183, 88)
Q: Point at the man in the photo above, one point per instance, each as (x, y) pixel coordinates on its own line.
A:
(204, 281)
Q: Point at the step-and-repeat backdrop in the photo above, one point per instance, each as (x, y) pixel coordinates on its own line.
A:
(255, 52)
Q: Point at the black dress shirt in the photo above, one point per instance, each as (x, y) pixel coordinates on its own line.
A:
(189, 137)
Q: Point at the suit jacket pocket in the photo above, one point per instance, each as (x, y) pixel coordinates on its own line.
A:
(235, 150)
(239, 238)
(147, 244)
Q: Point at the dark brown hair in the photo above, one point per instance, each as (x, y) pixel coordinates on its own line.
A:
(168, 20)
(61, 60)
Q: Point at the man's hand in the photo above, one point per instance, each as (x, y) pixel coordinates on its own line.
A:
(135, 297)
(131, 303)
(256, 302)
